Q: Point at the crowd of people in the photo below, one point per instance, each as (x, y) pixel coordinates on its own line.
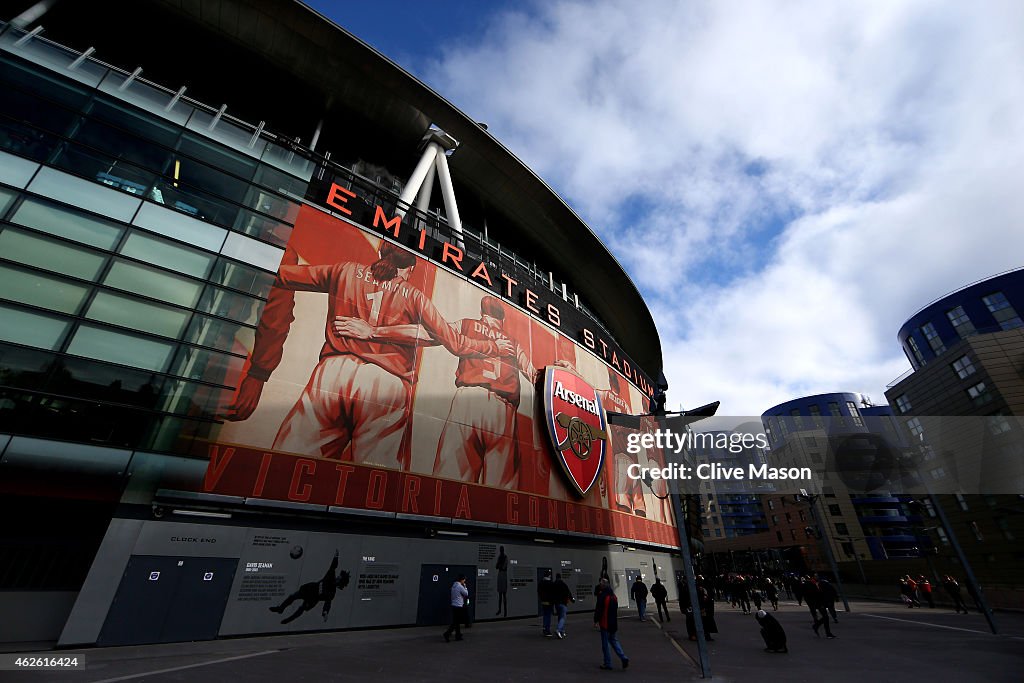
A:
(748, 593)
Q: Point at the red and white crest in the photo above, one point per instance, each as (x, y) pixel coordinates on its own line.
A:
(577, 426)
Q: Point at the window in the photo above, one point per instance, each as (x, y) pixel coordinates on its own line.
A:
(961, 501)
(810, 442)
(978, 536)
(842, 529)
(798, 421)
(963, 367)
(153, 283)
(979, 394)
(43, 291)
(31, 329)
(771, 504)
(775, 519)
(66, 223)
(834, 510)
(854, 414)
(1004, 526)
(815, 457)
(931, 335)
(961, 323)
(903, 403)
(718, 533)
(998, 424)
(778, 535)
(789, 518)
(1002, 311)
(912, 343)
(943, 538)
(792, 534)
(803, 516)
(816, 416)
(833, 409)
(914, 425)
(783, 431)
(49, 254)
(108, 345)
(139, 315)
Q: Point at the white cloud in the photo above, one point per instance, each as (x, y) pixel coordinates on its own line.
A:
(811, 173)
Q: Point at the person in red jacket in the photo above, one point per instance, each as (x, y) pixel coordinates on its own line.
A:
(607, 619)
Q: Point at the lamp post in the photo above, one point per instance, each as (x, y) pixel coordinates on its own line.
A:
(812, 499)
(856, 555)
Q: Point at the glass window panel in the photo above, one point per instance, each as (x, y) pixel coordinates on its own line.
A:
(31, 329)
(14, 170)
(39, 290)
(117, 347)
(34, 79)
(153, 283)
(220, 334)
(177, 226)
(68, 223)
(140, 152)
(188, 200)
(216, 155)
(207, 366)
(85, 378)
(87, 194)
(218, 158)
(143, 127)
(284, 183)
(167, 254)
(259, 254)
(104, 167)
(189, 398)
(35, 250)
(138, 315)
(6, 197)
(243, 277)
(36, 107)
(25, 368)
(226, 304)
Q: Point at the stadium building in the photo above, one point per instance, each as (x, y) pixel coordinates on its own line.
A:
(288, 342)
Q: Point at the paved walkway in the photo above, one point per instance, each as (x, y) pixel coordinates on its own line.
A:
(877, 642)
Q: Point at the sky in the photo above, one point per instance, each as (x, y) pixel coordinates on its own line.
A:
(786, 182)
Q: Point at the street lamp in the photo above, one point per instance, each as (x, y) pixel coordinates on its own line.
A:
(812, 499)
(856, 555)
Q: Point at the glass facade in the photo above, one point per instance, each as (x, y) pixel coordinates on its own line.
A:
(122, 298)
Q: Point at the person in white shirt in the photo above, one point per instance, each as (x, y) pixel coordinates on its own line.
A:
(460, 607)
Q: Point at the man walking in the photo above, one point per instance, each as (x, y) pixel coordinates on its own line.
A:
(816, 604)
(546, 596)
(660, 596)
(952, 587)
(639, 594)
(562, 597)
(606, 618)
(460, 597)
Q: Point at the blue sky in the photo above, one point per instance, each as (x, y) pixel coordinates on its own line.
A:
(794, 179)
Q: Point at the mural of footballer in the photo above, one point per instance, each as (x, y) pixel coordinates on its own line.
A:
(358, 395)
(627, 493)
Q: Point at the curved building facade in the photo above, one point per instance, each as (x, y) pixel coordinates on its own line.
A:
(251, 360)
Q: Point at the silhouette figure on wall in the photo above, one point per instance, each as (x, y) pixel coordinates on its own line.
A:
(314, 592)
(502, 567)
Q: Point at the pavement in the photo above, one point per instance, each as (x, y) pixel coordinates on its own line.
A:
(877, 642)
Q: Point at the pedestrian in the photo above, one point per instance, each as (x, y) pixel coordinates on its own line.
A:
(772, 632)
(686, 607)
(798, 590)
(460, 600)
(639, 594)
(815, 603)
(773, 594)
(660, 595)
(828, 598)
(953, 588)
(546, 595)
(924, 586)
(907, 593)
(606, 618)
(562, 597)
(707, 609)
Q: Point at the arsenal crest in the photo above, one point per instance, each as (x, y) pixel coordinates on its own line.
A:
(576, 425)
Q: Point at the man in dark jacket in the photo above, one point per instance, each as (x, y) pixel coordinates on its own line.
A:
(546, 596)
(828, 598)
(606, 618)
(816, 604)
(772, 632)
(562, 596)
(639, 594)
(660, 595)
